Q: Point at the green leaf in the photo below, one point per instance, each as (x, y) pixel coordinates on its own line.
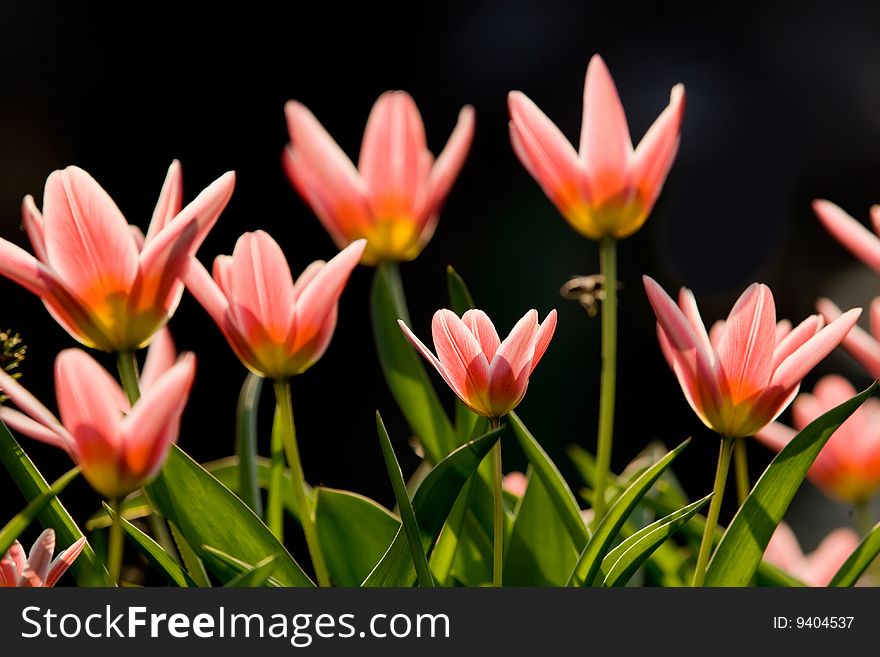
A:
(743, 544)
(621, 563)
(590, 559)
(443, 555)
(22, 520)
(407, 515)
(862, 557)
(431, 504)
(191, 560)
(220, 560)
(161, 560)
(540, 551)
(558, 491)
(207, 513)
(246, 442)
(403, 368)
(87, 570)
(257, 577)
(460, 299)
(354, 532)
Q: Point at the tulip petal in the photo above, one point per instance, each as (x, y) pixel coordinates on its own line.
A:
(510, 368)
(605, 147)
(795, 338)
(783, 328)
(831, 554)
(88, 242)
(428, 355)
(39, 559)
(776, 435)
(160, 357)
(63, 561)
(306, 277)
(450, 161)
(462, 358)
(745, 349)
(543, 337)
(688, 304)
(849, 232)
(170, 201)
(33, 224)
(859, 343)
(206, 291)
(483, 330)
(656, 152)
(30, 404)
(33, 429)
(784, 550)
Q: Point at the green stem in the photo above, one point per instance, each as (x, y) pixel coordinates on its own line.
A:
(274, 506)
(497, 509)
(741, 467)
(608, 268)
(115, 543)
(864, 519)
(126, 361)
(306, 510)
(714, 510)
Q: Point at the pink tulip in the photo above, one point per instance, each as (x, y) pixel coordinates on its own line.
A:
(37, 570)
(107, 285)
(848, 467)
(816, 568)
(861, 345)
(488, 375)
(118, 446)
(276, 327)
(743, 374)
(515, 483)
(864, 244)
(606, 188)
(393, 198)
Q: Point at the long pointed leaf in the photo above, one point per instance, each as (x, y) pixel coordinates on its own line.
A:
(22, 520)
(590, 559)
(259, 576)
(857, 563)
(743, 544)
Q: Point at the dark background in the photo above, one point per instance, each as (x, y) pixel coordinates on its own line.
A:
(783, 105)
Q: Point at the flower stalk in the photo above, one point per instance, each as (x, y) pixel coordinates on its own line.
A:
(714, 510)
(497, 508)
(608, 265)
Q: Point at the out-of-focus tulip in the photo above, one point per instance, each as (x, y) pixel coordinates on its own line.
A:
(816, 568)
(864, 244)
(606, 189)
(393, 198)
(488, 375)
(515, 483)
(276, 327)
(37, 570)
(848, 467)
(118, 446)
(861, 345)
(107, 284)
(742, 375)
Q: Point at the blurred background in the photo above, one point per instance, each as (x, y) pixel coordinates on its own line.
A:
(782, 107)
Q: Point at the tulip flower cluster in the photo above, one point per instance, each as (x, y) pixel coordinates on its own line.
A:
(114, 288)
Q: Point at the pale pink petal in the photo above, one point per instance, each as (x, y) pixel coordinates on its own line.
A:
(155, 419)
(745, 349)
(776, 435)
(544, 151)
(859, 343)
(874, 317)
(89, 399)
(32, 221)
(831, 554)
(36, 570)
(206, 291)
(515, 483)
(170, 201)
(795, 338)
(543, 337)
(784, 550)
(320, 295)
(306, 277)
(688, 304)
(450, 161)
(391, 160)
(833, 390)
(484, 331)
(849, 232)
(64, 560)
(605, 147)
(32, 429)
(656, 152)
(88, 242)
(783, 328)
(462, 358)
(510, 368)
(160, 357)
(715, 333)
(18, 557)
(430, 357)
(814, 350)
(30, 404)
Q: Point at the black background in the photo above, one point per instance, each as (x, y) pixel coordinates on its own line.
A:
(783, 105)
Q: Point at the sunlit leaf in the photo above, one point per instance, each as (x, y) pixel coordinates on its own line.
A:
(22, 520)
(257, 577)
(857, 563)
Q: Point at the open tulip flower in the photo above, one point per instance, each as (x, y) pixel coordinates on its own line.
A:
(863, 244)
(848, 467)
(743, 374)
(818, 567)
(861, 345)
(488, 375)
(393, 198)
(119, 447)
(606, 189)
(276, 327)
(110, 287)
(37, 570)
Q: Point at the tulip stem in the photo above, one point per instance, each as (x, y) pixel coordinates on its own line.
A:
(306, 508)
(864, 521)
(497, 508)
(608, 268)
(115, 542)
(126, 362)
(741, 465)
(714, 510)
(274, 508)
